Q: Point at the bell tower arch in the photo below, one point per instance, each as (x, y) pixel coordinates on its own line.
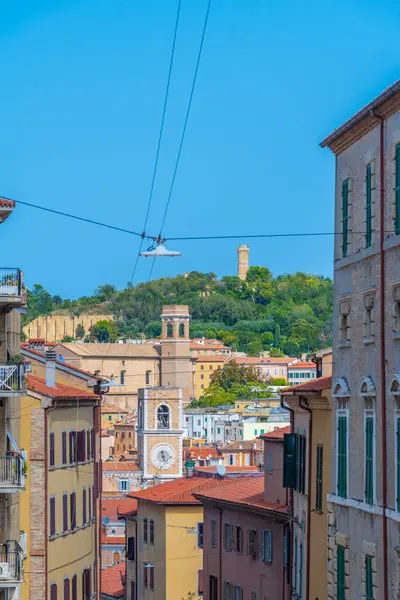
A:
(176, 366)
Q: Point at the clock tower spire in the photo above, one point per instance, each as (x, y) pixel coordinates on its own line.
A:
(160, 432)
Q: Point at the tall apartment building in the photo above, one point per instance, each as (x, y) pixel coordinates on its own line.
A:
(364, 503)
(12, 299)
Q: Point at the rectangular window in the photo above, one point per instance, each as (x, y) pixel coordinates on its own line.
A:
(231, 459)
(300, 445)
(266, 546)
(64, 447)
(65, 512)
(75, 588)
(369, 459)
(145, 577)
(151, 578)
(131, 548)
(200, 535)
(88, 444)
(148, 377)
(368, 205)
(238, 539)
(319, 478)
(228, 536)
(52, 516)
(252, 543)
(72, 447)
(84, 507)
(151, 528)
(66, 589)
(81, 446)
(287, 553)
(213, 587)
(238, 593)
(369, 582)
(289, 460)
(122, 378)
(269, 461)
(397, 190)
(145, 531)
(200, 582)
(123, 485)
(90, 504)
(341, 574)
(133, 590)
(227, 590)
(72, 508)
(253, 595)
(342, 456)
(213, 534)
(53, 591)
(52, 457)
(256, 432)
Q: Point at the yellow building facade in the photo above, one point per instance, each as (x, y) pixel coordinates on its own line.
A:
(59, 426)
(204, 368)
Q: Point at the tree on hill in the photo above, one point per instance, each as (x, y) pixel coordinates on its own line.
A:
(80, 331)
(104, 331)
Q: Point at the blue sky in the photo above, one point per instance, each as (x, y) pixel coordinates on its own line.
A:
(80, 106)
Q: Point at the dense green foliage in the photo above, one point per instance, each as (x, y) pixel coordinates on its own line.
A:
(232, 382)
(288, 314)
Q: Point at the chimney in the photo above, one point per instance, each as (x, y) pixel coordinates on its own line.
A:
(51, 357)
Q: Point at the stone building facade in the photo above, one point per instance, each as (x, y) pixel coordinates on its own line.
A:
(364, 503)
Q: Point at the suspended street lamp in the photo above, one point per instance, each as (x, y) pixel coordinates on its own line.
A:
(157, 249)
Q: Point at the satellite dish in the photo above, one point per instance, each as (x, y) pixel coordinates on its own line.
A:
(221, 470)
(159, 251)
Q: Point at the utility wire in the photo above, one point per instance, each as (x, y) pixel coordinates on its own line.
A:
(159, 140)
(183, 130)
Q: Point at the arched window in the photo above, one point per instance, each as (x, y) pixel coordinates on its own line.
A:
(163, 417)
(182, 330)
(170, 330)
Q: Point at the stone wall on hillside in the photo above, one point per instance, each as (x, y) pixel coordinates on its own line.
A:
(53, 328)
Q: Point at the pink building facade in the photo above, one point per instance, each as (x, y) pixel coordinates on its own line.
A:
(246, 546)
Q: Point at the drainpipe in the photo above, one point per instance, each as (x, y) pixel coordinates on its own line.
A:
(306, 408)
(290, 526)
(382, 356)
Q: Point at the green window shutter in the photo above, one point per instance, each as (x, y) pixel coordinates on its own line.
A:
(303, 465)
(369, 587)
(345, 216)
(340, 574)
(397, 189)
(342, 457)
(368, 206)
(289, 460)
(298, 461)
(369, 460)
(398, 465)
(318, 478)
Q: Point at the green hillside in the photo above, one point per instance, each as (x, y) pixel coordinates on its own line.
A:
(289, 313)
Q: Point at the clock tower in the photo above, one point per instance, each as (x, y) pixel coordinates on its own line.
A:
(160, 432)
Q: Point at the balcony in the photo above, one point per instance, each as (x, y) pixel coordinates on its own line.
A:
(11, 380)
(12, 291)
(11, 474)
(11, 567)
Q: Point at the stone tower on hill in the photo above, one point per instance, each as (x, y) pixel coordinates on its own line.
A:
(243, 261)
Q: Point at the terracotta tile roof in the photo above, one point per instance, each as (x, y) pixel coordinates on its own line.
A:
(128, 465)
(113, 580)
(106, 434)
(277, 434)
(303, 365)
(7, 203)
(113, 408)
(25, 348)
(112, 540)
(179, 491)
(247, 492)
(254, 360)
(111, 507)
(229, 469)
(130, 507)
(112, 350)
(61, 391)
(315, 385)
(202, 453)
(218, 358)
(243, 445)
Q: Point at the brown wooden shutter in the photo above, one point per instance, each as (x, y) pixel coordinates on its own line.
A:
(74, 588)
(53, 591)
(72, 502)
(84, 507)
(90, 504)
(64, 447)
(200, 584)
(52, 458)
(66, 589)
(52, 516)
(65, 512)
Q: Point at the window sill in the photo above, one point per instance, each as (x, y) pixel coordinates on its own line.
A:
(372, 509)
(396, 335)
(370, 339)
(344, 344)
(64, 533)
(394, 515)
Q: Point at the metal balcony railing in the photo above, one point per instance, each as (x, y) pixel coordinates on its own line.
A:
(11, 472)
(11, 379)
(10, 282)
(11, 557)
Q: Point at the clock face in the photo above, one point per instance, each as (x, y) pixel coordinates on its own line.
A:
(163, 456)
